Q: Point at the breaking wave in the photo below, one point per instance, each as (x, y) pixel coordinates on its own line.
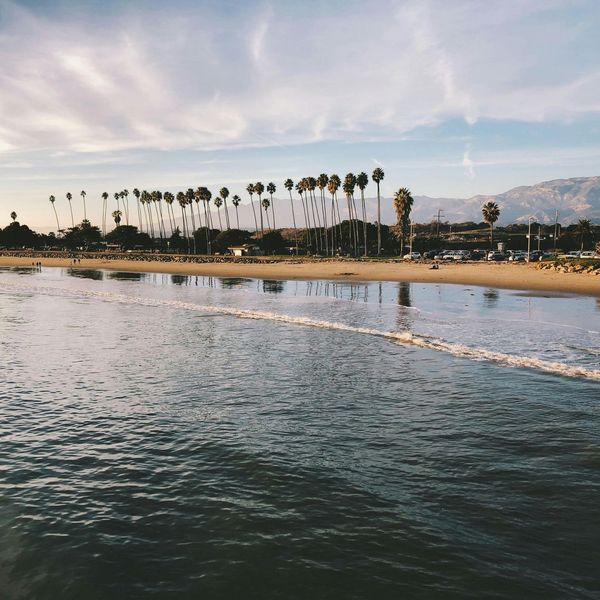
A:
(404, 338)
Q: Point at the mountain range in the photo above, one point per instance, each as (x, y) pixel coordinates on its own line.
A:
(575, 198)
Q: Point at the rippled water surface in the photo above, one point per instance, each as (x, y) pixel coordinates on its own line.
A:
(183, 437)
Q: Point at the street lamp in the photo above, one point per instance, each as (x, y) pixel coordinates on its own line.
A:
(529, 239)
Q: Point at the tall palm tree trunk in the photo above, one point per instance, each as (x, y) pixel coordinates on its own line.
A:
(332, 226)
(185, 231)
(71, 209)
(378, 221)
(219, 215)
(226, 213)
(254, 214)
(294, 222)
(207, 228)
(364, 215)
(273, 211)
(325, 237)
(317, 235)
(237, 217)
(306, 219)
(56, 216)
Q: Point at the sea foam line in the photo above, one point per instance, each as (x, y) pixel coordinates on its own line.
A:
(404, 338)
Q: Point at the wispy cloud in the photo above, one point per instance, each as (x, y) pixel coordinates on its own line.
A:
(468, 165)
(180, 79)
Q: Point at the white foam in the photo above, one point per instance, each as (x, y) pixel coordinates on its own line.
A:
(405, 338)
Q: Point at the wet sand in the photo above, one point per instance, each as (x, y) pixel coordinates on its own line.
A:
(512, 276)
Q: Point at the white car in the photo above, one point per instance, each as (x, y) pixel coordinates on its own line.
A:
(589, 254)
(412, 256)
(572, 254)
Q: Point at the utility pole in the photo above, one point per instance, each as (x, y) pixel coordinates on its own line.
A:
(439, 214)
(529, 239)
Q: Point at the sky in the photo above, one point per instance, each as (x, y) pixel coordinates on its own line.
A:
(451, 99)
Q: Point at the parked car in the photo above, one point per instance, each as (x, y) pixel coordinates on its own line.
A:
(589, 254)
(430, 254)
(412, 256)
(572, 254)
(496, 255)
(478, 254)
(517, 256)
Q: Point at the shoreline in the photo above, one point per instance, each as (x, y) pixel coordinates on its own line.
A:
(519, 276)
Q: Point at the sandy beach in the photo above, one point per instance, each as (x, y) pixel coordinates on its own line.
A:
(512, 276)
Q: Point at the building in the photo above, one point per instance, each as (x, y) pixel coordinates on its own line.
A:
(246, 250)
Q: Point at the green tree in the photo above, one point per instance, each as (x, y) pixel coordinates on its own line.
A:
(584, 231)
(490, 212)
(230, 237)
(13, 216)
(84, 235)
(403, 202)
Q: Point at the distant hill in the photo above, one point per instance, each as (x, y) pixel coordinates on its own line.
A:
(575, 198)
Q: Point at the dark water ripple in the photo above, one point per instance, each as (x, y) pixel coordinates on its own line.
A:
(149, 452)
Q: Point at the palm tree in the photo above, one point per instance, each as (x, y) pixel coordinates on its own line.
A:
(362, 180)
(403, 202)
(125, 194)
(250, 190)
(311, 184)
(169, 198)
(289, 186)
(182, 201)
(490, 212)
(259, 189)
(224, 193)
(349, 185)
(266, 204)
(584, 230)
(156, 197)
(300, 187)
(136, 193)
(13, 215)
(146, 200)
(218, 203)
(52, 201)
(82, 194)
(69, 196)
(206, 196)
(104, 197)
(322, 181)
(116, 215)
(236, 202)
(333, 186)
(377, 177)
(272, 188)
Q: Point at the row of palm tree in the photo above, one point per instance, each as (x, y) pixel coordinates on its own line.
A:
(322, 216)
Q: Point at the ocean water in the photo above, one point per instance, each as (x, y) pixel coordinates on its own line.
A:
(187, 437)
